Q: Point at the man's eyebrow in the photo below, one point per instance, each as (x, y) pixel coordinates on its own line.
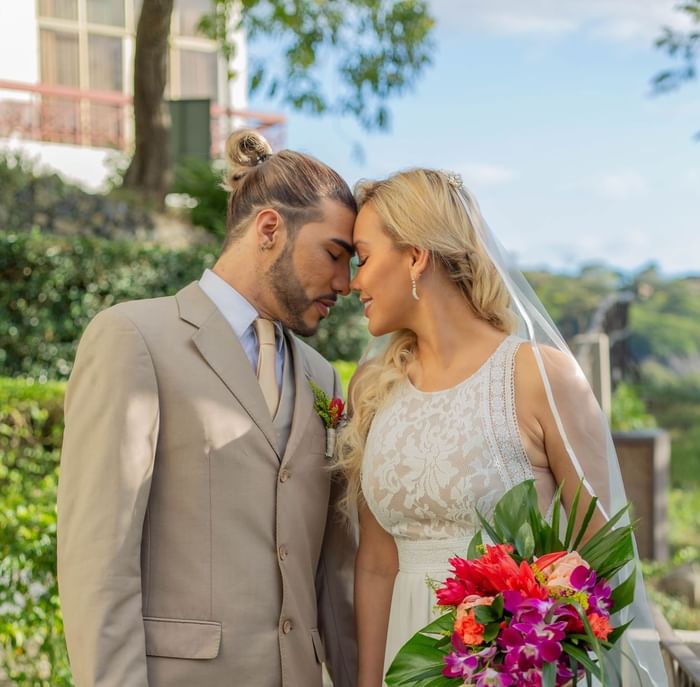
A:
(345, 246)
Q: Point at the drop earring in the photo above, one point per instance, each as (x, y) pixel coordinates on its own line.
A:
(414, 292)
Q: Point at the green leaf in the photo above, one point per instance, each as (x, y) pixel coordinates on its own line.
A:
(623, 595)
(485, 615)
(525, 541)
(514, 508)
(572, 517)
(549, 674)
(474, 550)
(582, 657)
(617, 633)
(586, 520)
(553, 541)
(491, 631)
(600, 534)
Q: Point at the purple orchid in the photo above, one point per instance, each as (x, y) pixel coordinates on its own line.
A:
(463, 662)
(492, 678)
(599, 591)
(528, 649)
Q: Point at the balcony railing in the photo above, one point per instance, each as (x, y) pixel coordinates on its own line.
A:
(104, 119)
(682, 664)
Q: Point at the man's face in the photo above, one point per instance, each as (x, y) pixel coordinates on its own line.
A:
(313, 268)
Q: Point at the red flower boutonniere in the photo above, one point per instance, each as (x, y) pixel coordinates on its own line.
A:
(332, 413)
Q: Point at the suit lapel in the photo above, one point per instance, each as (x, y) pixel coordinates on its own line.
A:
(303, 400)
(222, 351)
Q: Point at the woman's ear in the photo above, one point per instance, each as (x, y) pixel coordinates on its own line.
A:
(419, 261)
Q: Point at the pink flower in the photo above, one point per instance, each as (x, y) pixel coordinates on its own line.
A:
(474, 600)
(558, 573)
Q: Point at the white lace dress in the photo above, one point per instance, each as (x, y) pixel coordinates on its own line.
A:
(431, 459)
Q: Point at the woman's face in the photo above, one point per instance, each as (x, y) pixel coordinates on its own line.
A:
(383, 278)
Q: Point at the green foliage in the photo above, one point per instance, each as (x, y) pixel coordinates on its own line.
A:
(682, 46)
(53, 287)
(32, 649)
(572, 299)
(31, 199)
(675, 403)
(376, 48)
(345, 371)
(202, 182)
(628, 409)
(343, 334)
(684, 540)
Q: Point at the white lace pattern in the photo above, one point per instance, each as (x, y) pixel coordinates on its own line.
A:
(433, 458)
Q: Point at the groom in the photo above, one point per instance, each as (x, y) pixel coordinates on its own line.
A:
(198, 541)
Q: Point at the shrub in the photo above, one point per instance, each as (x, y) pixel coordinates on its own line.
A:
(32, 648)
(53, 286)
(44, 201)
(201, 181)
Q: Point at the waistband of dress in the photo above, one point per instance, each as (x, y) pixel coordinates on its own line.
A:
(430, 555)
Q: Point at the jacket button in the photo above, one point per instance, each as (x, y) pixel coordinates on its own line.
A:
(284, 475)
(287, 626)
(283, 552)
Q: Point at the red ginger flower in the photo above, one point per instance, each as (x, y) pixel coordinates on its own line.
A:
(335, 409)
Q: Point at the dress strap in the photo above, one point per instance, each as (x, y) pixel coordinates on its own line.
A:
(501, 423)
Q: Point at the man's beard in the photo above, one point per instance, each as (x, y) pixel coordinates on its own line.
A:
(289, 292)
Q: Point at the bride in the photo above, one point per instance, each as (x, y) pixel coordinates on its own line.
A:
(473, 392)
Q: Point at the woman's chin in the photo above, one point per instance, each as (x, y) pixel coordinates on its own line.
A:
(377, 328)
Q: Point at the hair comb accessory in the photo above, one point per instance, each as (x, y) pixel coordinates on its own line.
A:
(454, 179)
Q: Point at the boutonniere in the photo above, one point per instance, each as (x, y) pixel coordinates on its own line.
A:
(331, 412)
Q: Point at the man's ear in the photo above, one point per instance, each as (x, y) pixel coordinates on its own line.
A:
(268, 228)
(419, 261)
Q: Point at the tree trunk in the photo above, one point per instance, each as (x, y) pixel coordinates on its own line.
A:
(149, 171)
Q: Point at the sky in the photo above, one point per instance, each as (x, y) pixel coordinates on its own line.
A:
(545, 109)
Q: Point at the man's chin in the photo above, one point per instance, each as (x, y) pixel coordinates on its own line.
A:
(302, 326)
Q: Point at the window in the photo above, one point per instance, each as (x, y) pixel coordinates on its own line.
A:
(59, 9)
(105, 63)
(108, 12)
(189, 13)
(198, 74)
(59, 58)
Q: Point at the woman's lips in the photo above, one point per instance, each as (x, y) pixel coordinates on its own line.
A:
(367, 305)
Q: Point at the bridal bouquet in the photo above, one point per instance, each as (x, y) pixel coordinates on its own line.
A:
(529, 609)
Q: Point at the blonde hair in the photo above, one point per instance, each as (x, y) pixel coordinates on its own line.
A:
(430, 210)
(292, 183)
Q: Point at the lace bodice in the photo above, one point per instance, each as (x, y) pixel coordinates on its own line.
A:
(432, 458)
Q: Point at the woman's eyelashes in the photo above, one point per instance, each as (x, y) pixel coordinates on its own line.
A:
(334, 257)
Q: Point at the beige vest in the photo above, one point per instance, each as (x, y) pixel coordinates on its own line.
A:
(282, 421)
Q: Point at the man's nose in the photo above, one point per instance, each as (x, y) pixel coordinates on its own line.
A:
(341, 283)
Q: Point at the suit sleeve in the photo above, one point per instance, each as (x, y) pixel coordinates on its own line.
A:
(111, 427)
(335, 582)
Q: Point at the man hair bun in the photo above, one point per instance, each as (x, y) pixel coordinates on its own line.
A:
(245, 150)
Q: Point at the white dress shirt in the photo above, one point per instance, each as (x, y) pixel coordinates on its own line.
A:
(241, 315)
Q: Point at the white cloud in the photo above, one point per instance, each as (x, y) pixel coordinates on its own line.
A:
(620, 185)
(616, 20)
(478, 175)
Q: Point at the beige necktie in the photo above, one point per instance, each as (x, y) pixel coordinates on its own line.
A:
(267, 376)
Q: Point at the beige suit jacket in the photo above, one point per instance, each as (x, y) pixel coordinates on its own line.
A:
(189, 552)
